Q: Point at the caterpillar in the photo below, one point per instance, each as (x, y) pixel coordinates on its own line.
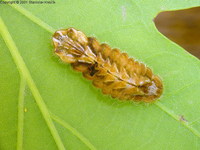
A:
(113, 72)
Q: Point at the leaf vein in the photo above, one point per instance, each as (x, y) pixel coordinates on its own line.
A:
(73, 131)
(21, 113)
(177, 118)
(25, 72)
(33, 18)
(183, 88)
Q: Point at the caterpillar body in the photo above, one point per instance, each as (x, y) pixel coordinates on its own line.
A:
(110, 70)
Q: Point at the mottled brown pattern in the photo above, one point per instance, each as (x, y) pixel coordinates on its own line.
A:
(113, 72)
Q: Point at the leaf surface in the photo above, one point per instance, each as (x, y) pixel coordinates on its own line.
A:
(47, 105)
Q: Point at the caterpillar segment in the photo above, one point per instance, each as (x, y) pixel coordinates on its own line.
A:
(115, 73)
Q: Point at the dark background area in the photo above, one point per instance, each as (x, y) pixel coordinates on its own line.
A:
(182, 27)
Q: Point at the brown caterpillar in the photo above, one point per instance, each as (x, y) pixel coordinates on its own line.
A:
(114, 72)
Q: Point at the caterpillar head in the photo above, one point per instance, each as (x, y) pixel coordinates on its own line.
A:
(72, 46)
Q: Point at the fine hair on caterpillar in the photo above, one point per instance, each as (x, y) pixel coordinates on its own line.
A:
(113, 72)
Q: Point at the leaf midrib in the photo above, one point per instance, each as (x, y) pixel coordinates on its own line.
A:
(26, 77)
(26, 74)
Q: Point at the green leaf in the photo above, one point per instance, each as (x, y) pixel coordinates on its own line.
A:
(47, 105)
